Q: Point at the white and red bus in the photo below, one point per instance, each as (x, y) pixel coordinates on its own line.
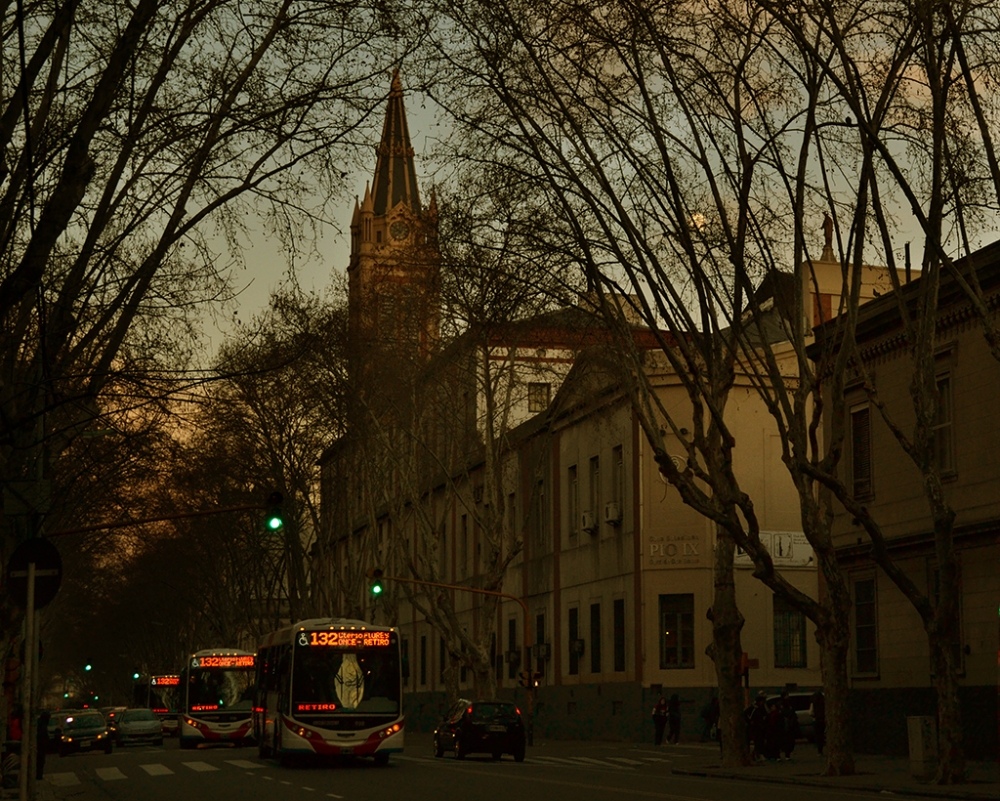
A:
(329, 686)
(217, 687)
(160, 694)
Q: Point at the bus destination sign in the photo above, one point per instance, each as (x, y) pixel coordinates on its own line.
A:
(233, 661)
(345, 639)
(165, 681)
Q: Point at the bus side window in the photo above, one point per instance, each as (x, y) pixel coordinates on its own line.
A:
(281, 673)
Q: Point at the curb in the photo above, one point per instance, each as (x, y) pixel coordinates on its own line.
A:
(856, 788)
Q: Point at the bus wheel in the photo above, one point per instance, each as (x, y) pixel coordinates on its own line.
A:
(381, 760)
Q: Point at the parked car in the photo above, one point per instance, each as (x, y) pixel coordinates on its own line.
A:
(57, 720)
(138, 726)
(802, 704)
(489, 727)
(85, 730)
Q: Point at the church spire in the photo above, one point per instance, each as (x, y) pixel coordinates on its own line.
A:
(395, 173)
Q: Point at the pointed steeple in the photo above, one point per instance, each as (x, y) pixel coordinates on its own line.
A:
(395, 173)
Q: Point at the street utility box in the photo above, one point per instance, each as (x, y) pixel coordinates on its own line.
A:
(922, 735)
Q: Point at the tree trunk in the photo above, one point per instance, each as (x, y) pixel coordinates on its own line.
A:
(726, 651)
(951, 756)
(834, 641)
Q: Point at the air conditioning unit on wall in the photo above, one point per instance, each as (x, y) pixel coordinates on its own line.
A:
(541, 650)
(612, 513)
(588, 521)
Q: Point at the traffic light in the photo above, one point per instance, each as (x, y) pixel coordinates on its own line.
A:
(275, 521)
(524, 678)
(89, 666)
(375, 582)
(536, 679)
(135, 676)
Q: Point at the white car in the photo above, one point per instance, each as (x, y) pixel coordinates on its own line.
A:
(138, 726)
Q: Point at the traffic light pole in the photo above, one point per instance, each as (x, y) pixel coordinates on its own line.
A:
(142, 521)
(530, 703)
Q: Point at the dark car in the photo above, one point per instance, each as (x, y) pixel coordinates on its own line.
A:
(483, 727)
(84, 731)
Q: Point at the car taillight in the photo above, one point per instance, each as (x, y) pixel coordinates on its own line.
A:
(469, 710)
(518, 711)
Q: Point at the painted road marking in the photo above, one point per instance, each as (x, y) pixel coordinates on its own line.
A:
(110, 774)
(626, 760)
(62, 779)
(200, 767)
(157, 770)
(244, 763)
(591, 761)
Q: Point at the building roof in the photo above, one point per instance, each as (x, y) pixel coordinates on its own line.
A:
(395, 172)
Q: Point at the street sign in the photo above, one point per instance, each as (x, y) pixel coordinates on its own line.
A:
(48, 572)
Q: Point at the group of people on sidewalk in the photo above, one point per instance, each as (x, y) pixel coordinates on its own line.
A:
(772, 726)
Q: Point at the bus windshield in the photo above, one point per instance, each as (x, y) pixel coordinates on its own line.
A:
(331, 680)
(220, 689)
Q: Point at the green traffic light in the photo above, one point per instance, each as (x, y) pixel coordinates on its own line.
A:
(274, 522)
(65, 695)
(377, 588)
(135, 675)
(88, 666)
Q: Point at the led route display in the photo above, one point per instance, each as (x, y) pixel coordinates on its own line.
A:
(242, 661)
(315, 707)
(345, 639)
(165, 681)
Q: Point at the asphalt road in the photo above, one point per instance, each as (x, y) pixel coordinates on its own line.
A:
(556, 770)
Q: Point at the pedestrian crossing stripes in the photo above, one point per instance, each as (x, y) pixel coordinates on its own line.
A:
(199, 767)
(112, 774)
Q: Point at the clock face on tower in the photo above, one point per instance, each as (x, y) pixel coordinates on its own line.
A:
(399, 230)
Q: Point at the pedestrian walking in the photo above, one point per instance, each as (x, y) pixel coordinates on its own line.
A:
(756, 721)
(819, 720)
(789, 727)
(42, 743)
(712, 715)
(674, 719)
(660, 718)
(773, 730)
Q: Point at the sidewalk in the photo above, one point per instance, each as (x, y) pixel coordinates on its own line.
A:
(879, 774)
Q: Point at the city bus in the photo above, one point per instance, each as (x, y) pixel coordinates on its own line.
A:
(159, 693)
(216, 693)
(331, 687)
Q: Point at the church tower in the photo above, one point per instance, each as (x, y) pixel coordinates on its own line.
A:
(394, 272)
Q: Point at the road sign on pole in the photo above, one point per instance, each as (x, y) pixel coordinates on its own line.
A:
(47, 573)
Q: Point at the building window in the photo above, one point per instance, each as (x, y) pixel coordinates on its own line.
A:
(404, 659)
(541, 519)
(540, 639)
(442, 658)
(789, 635)
(423, 659)
(619, 622)
(512, 647)
(595, 638)
(618, 478)
(944, 456)
(573, 502)
(861, 452)
(677, 631)
(573, 628)
(595, 490)
(538, 397)
(865, 626)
